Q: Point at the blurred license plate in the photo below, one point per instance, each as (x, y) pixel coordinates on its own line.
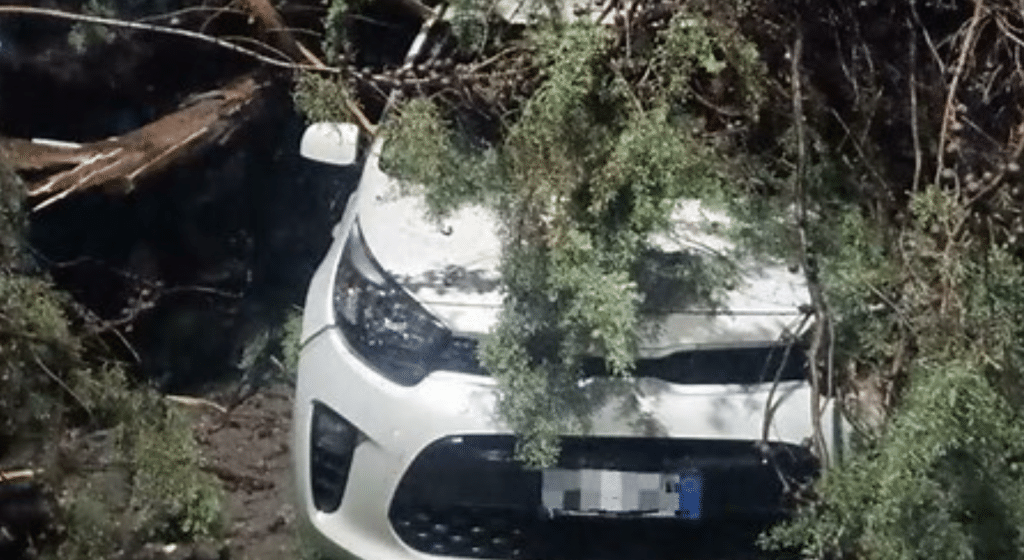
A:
(596, 492)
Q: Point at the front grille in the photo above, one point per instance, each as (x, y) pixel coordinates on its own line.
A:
(465, 531)
(759, 364)
(466, 496)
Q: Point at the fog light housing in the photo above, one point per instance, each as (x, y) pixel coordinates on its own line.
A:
(332, 442)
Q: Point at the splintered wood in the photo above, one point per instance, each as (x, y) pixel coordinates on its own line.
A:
(118, 162)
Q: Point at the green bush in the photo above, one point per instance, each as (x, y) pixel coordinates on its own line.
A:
(944, 482)
(54, 382)
(943, 478)
(172, 499)
(36, 345)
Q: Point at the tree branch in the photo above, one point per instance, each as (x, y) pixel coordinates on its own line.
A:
(273, 24)
(948, 114)
(137, 154)
(195, 35)
(822, 321)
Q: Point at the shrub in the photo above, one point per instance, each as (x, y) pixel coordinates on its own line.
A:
(55, 381)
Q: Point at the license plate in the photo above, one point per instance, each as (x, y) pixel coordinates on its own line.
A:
(690, 490)
(602, 492)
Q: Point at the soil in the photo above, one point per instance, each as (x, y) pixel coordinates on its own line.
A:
(248, 450)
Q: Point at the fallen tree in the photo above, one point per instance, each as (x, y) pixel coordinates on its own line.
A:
(118, 163)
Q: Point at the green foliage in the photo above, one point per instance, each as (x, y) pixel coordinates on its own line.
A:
(12, 219)
(147, 486)
(944, 482)
(35, 341)
(456, 172)
(89, 520)
(35, 344)
(943, 478)
(695, 46)
(172, 499)
(856, 270)
(51, 384)
(583, 177)
(470, 25)
(928, 301)
(85, 35)
(334, 30)
(322, 98)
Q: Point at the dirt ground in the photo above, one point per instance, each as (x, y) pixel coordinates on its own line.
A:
(248, 450)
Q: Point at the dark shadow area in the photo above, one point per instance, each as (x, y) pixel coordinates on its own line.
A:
(207, 257)
(198, 266)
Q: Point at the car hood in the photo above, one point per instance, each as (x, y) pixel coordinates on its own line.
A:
(451, 266)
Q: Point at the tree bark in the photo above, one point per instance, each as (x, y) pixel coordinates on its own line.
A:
(273, 24)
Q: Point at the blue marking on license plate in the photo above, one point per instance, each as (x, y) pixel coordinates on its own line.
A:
(691, 490)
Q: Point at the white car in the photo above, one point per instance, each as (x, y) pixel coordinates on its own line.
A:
(399, 454)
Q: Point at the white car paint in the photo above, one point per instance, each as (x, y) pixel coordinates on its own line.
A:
(397, 422)
(417, 251)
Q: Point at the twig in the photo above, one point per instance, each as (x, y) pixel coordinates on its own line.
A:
(415, 7)
(257, 43)
(192, 9)
(927, 37)
(196, 402)
(22, 474)
(724, 111)
(222, 10)
(56, 378)
(948, 112)
(60, 14)
(860, 150)
(268, 17)
(317, 66)
(914, 130)
(769, 406)
(842, 62)
(491, 60)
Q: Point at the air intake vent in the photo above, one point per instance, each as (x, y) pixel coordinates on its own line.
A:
(332, 442)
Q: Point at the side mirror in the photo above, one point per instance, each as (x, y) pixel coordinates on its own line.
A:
(333, 143)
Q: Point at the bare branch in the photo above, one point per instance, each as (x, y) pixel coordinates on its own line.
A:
(948, 114)
(914, 128)
(56, 379)
(196, 402)
(273, 24)
(112, 22)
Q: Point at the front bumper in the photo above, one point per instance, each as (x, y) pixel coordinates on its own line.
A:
(415, 491)
(465, 495)
(394, 423)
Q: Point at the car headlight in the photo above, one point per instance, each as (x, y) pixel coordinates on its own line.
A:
(389, 328)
